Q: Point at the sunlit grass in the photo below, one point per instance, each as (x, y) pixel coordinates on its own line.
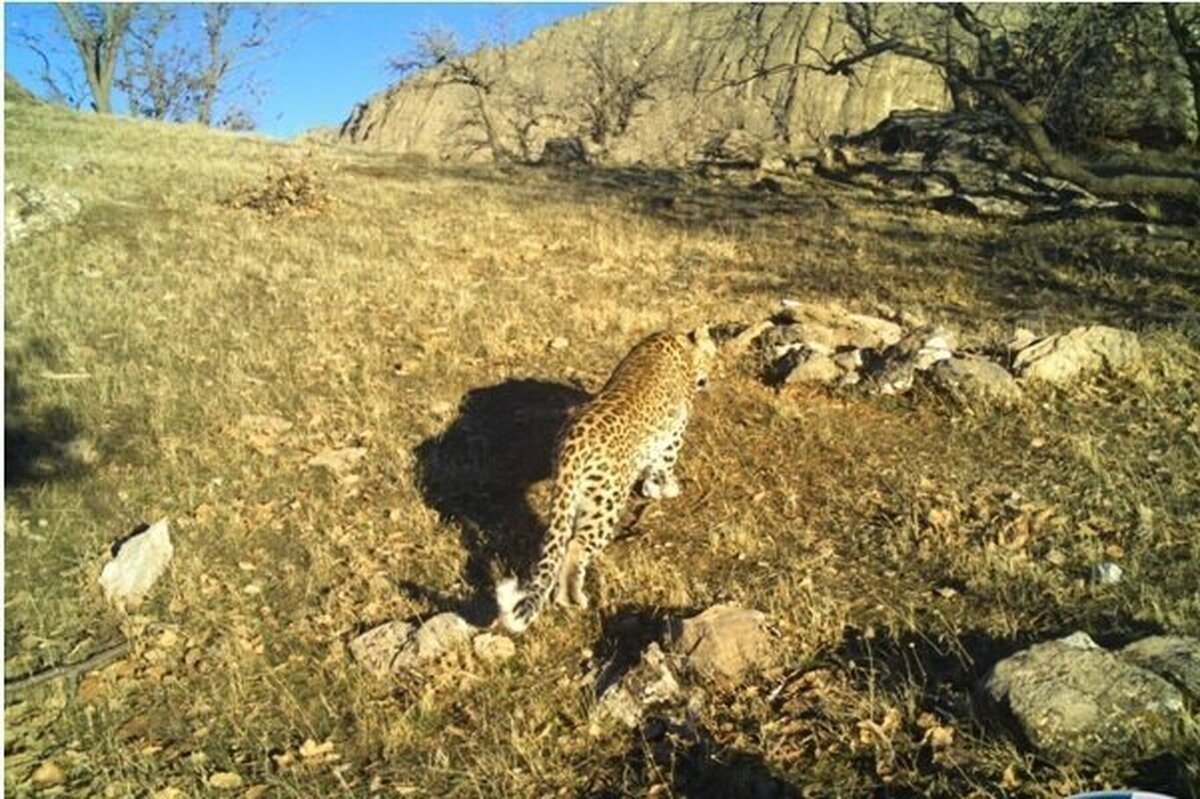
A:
(367, 324)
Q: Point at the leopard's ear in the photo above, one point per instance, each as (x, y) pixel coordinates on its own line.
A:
(700, 335)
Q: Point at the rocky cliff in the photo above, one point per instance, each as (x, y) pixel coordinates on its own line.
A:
(700, 59)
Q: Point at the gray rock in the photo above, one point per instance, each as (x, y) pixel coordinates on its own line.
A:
(33, 209)
(649, 684)
(1062, 359)
(397, 646)
(972, 380)
(1173, 657)
(1075, 701)
(723, 642)
(379, 649)
(835, 327)
(137, 565)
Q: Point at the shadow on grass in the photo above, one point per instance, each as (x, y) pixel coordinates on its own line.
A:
(477, 473)
(1085, 270)
(36, 444)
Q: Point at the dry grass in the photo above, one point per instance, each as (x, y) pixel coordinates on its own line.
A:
(899, 546)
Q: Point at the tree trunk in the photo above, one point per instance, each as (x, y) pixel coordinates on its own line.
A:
(1063, 166)
(489, 126)
(98, 47)
(1189, 50)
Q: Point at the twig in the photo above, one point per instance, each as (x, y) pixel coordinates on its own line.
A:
(65, 375)
(101, 658)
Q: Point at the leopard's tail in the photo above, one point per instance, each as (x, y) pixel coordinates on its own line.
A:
(520, 606)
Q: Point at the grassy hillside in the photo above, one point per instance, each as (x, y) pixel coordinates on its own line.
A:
(148, 329)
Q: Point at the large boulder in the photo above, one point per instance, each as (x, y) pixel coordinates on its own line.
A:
(1074, 701)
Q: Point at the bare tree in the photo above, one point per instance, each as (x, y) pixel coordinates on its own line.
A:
(984, 58)
(97, 31)
(437, 54)
(158, 72)
(60, 83)
(620, 75)
(226, 51)
(181, 62)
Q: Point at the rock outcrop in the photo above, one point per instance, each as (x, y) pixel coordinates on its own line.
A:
(702, 53)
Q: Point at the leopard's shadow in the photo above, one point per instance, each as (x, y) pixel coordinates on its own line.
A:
(477, 474)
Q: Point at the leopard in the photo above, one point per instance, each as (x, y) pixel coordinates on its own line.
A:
(625, 441)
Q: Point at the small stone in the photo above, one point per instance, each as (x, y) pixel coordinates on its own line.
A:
(1107, 573)
(558, 343)
(140, 560)
(377, 650)
(723, 642)
(225, 780)
(338, 461)
(47, 775)
(493, 648)
(79, 451)
(976, 381)
(815, 370)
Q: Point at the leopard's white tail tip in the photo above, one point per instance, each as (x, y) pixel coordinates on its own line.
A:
(508, 596)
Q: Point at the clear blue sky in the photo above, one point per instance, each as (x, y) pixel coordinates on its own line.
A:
(330, 57)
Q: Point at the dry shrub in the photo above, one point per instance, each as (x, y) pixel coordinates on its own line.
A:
(296, 189)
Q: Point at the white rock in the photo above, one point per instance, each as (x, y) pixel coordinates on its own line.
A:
(139, 562)
(1107, 573)
(650, 683)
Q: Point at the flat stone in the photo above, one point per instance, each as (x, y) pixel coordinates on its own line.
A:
(493, 648)
(378, 649)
